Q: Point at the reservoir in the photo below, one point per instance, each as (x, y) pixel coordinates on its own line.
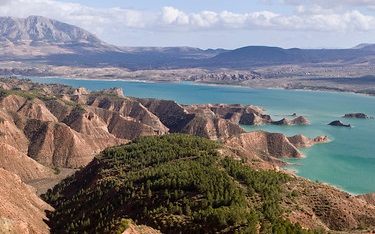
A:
(347, 162)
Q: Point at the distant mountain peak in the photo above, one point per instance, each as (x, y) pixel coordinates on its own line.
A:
(364, 46)
(38, 29)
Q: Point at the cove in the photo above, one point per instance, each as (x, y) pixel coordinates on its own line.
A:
(348, 161)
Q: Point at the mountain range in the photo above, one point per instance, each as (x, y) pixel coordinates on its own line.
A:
(59, 43)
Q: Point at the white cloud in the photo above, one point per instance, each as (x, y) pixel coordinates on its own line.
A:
(172, 15)
(205, 19)
(309, 15)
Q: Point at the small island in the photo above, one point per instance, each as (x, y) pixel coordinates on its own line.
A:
(358, 116)
(339, 123)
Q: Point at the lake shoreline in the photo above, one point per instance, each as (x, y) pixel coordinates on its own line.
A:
(312, 88)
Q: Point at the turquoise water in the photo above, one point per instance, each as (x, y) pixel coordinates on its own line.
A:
(347, 162)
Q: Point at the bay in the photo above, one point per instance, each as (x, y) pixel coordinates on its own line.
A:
(348, 161)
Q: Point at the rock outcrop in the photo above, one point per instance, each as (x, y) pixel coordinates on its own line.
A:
(339, 124)
(211, 128)
(358, 116)
(21, 210)
(131, 109)
(171, 114)
(301, 141)
(270, 146)
(242, 115)
(264, 145)
(201, 120)
(300, 120)
(235, 113)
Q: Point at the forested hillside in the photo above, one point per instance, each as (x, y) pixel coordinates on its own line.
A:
(175, 183)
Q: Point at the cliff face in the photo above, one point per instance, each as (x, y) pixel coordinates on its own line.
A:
(21, 210)
(55, 144)
(171, 114)
(270, 146)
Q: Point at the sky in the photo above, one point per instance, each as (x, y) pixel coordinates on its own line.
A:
(227, 24)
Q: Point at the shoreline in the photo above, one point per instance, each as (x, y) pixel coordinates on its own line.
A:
(312, 89)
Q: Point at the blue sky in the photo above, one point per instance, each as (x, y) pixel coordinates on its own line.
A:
(212, 23)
